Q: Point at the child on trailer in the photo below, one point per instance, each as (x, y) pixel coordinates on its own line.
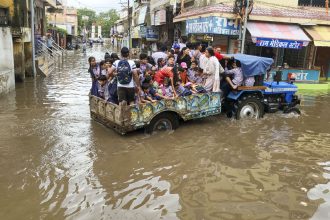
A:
(103, 68)
(199, 77)
(153, 89)
(182, 70)
(145, 67)
(181, 90)
(192, 71)
(167, 89)
(145, 96)
(102, 91)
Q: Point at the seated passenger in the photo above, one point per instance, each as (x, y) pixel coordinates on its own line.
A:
(192, 71)
(181, 90)
(167, 89)
(237, 74)
(249, 81)
(199, 77)
(145, 67)
(103, 68)
(182, 70)
(145, 96)
(160, 63)
(162, 74)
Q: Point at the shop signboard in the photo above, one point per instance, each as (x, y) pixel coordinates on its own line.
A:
(143, 31)
(136, 32)
(302, 75)
(212, 25)
(152, 34)
(279, 43)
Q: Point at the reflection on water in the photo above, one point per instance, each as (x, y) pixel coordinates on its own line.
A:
(56, 163)
(322, 192)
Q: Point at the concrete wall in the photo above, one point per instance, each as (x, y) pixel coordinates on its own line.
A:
(7, 75)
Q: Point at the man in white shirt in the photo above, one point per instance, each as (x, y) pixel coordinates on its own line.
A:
(126, 84)
(161, 53)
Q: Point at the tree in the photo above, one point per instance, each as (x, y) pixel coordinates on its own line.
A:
(107, 20)
(91, 14)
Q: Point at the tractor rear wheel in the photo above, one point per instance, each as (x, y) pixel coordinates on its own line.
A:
(166, 121)
(248, 107)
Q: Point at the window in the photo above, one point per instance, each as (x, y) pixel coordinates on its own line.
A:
(314, 3)
(4, 18)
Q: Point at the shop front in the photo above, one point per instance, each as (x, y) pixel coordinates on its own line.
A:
(215, 31)
(287, 44)
(321, 48)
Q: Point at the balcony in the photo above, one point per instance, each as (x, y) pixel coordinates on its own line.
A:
(4, 18)
(51, 3)
(312, 3)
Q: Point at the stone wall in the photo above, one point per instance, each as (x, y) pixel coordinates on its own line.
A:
(7, 75)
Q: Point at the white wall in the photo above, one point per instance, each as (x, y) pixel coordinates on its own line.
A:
(292, 3)
(7, 75)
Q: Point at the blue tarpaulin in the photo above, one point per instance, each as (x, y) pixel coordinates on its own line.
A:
(253, 65)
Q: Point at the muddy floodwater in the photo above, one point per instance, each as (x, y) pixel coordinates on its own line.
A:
(57, 163)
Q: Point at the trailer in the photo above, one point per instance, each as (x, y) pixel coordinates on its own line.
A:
(243, 103)
(157, 116)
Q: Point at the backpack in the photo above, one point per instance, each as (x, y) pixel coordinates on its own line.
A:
(113, 95)
(124, 72)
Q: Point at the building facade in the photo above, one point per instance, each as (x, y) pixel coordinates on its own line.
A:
(294, 33)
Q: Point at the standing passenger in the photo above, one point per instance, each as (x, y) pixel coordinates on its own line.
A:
(161, 53)
(184, 56)
(212, 72)
(126, 77)
(94, 71)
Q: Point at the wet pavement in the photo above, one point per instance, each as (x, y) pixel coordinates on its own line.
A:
(57, 163)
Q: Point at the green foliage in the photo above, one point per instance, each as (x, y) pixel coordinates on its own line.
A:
(89, 22)
(59, 30)
(104, 19)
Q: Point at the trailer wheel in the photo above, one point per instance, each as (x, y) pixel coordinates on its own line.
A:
(292, 110)
(248, 107)
(166, 121)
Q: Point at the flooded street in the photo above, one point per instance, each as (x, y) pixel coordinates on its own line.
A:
(57, 163)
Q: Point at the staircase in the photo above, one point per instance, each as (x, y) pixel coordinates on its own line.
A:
(47, 60)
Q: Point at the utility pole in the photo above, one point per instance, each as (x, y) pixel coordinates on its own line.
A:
(327, 6)
(33, 39)
(245, 24)
(129, 25)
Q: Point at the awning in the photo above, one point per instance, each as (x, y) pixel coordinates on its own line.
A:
(277, 35)
(320, 35)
